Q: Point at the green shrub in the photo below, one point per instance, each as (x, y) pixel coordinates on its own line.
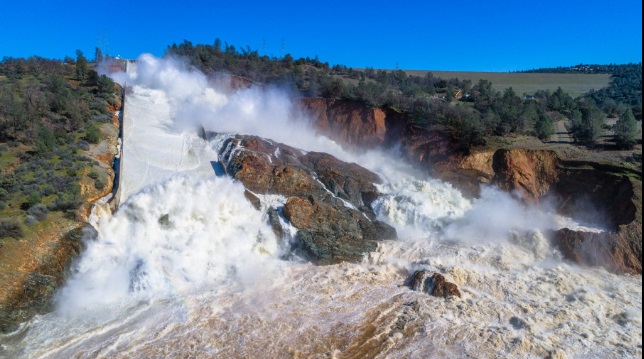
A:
(102, 118)
(92, 134)
(10, 229)
(626, 130)
(33, 198)
(83, 145)
(69, 200)
(92, 174)
(38, 211)
(45, 140)
(99, 184)
(47, 191)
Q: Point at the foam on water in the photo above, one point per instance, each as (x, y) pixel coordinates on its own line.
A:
(188, 268)
(168, 239)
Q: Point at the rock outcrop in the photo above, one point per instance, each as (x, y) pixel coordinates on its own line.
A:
(619, 252)
(434, 284)
(328, 200)
(37, 274)
(588, 192)
(354, 124)
(530, 172)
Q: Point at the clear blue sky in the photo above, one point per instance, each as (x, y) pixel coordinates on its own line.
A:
(432, 35)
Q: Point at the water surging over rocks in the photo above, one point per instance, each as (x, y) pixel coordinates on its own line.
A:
(590, 192)
(232, 295)
(328, 201)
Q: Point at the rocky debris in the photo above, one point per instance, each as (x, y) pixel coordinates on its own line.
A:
(435, 285)
(440, 287)
(328, 200)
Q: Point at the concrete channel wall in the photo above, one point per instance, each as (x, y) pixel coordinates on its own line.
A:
(117, 166)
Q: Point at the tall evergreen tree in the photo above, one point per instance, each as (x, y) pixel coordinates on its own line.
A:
(626, 130)
(544, 127)
(82, 68)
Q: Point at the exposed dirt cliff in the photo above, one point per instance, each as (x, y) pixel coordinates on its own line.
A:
(531, 172)
(354, 124)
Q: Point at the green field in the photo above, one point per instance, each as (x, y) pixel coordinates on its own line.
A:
(529, 83)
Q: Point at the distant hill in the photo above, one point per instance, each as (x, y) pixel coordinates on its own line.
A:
(575, 84)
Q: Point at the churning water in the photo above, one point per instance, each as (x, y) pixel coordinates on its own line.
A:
(188, 268)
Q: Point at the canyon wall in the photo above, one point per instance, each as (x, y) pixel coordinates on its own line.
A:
(587, 191)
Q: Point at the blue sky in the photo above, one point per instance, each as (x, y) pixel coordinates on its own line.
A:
(429, 35)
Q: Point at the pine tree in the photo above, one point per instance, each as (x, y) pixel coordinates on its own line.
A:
(626, 130)
(82, 67)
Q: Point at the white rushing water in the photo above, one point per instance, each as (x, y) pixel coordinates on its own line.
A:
(188, 268)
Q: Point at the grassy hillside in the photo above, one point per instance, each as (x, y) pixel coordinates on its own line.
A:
(529, 83)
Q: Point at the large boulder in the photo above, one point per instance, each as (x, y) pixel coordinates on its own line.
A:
(347, 181)
(330, 232)
(328, 200)
(433, 284)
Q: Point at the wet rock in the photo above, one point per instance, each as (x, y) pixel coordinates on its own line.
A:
(518, 323)
(418, 280)
(264, 167)
(164, 221)
(274, 221)
(331, 233)
(252, 199)
(348, 181)
(434, 284)
(328, 199)
(440, 287)
(619, 252)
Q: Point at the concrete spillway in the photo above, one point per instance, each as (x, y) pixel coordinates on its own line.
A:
(152, 148)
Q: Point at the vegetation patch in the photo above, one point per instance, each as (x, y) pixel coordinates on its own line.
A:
(49, 114)
(474, 107)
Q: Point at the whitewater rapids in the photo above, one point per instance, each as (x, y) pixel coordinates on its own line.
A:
(188, 268)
